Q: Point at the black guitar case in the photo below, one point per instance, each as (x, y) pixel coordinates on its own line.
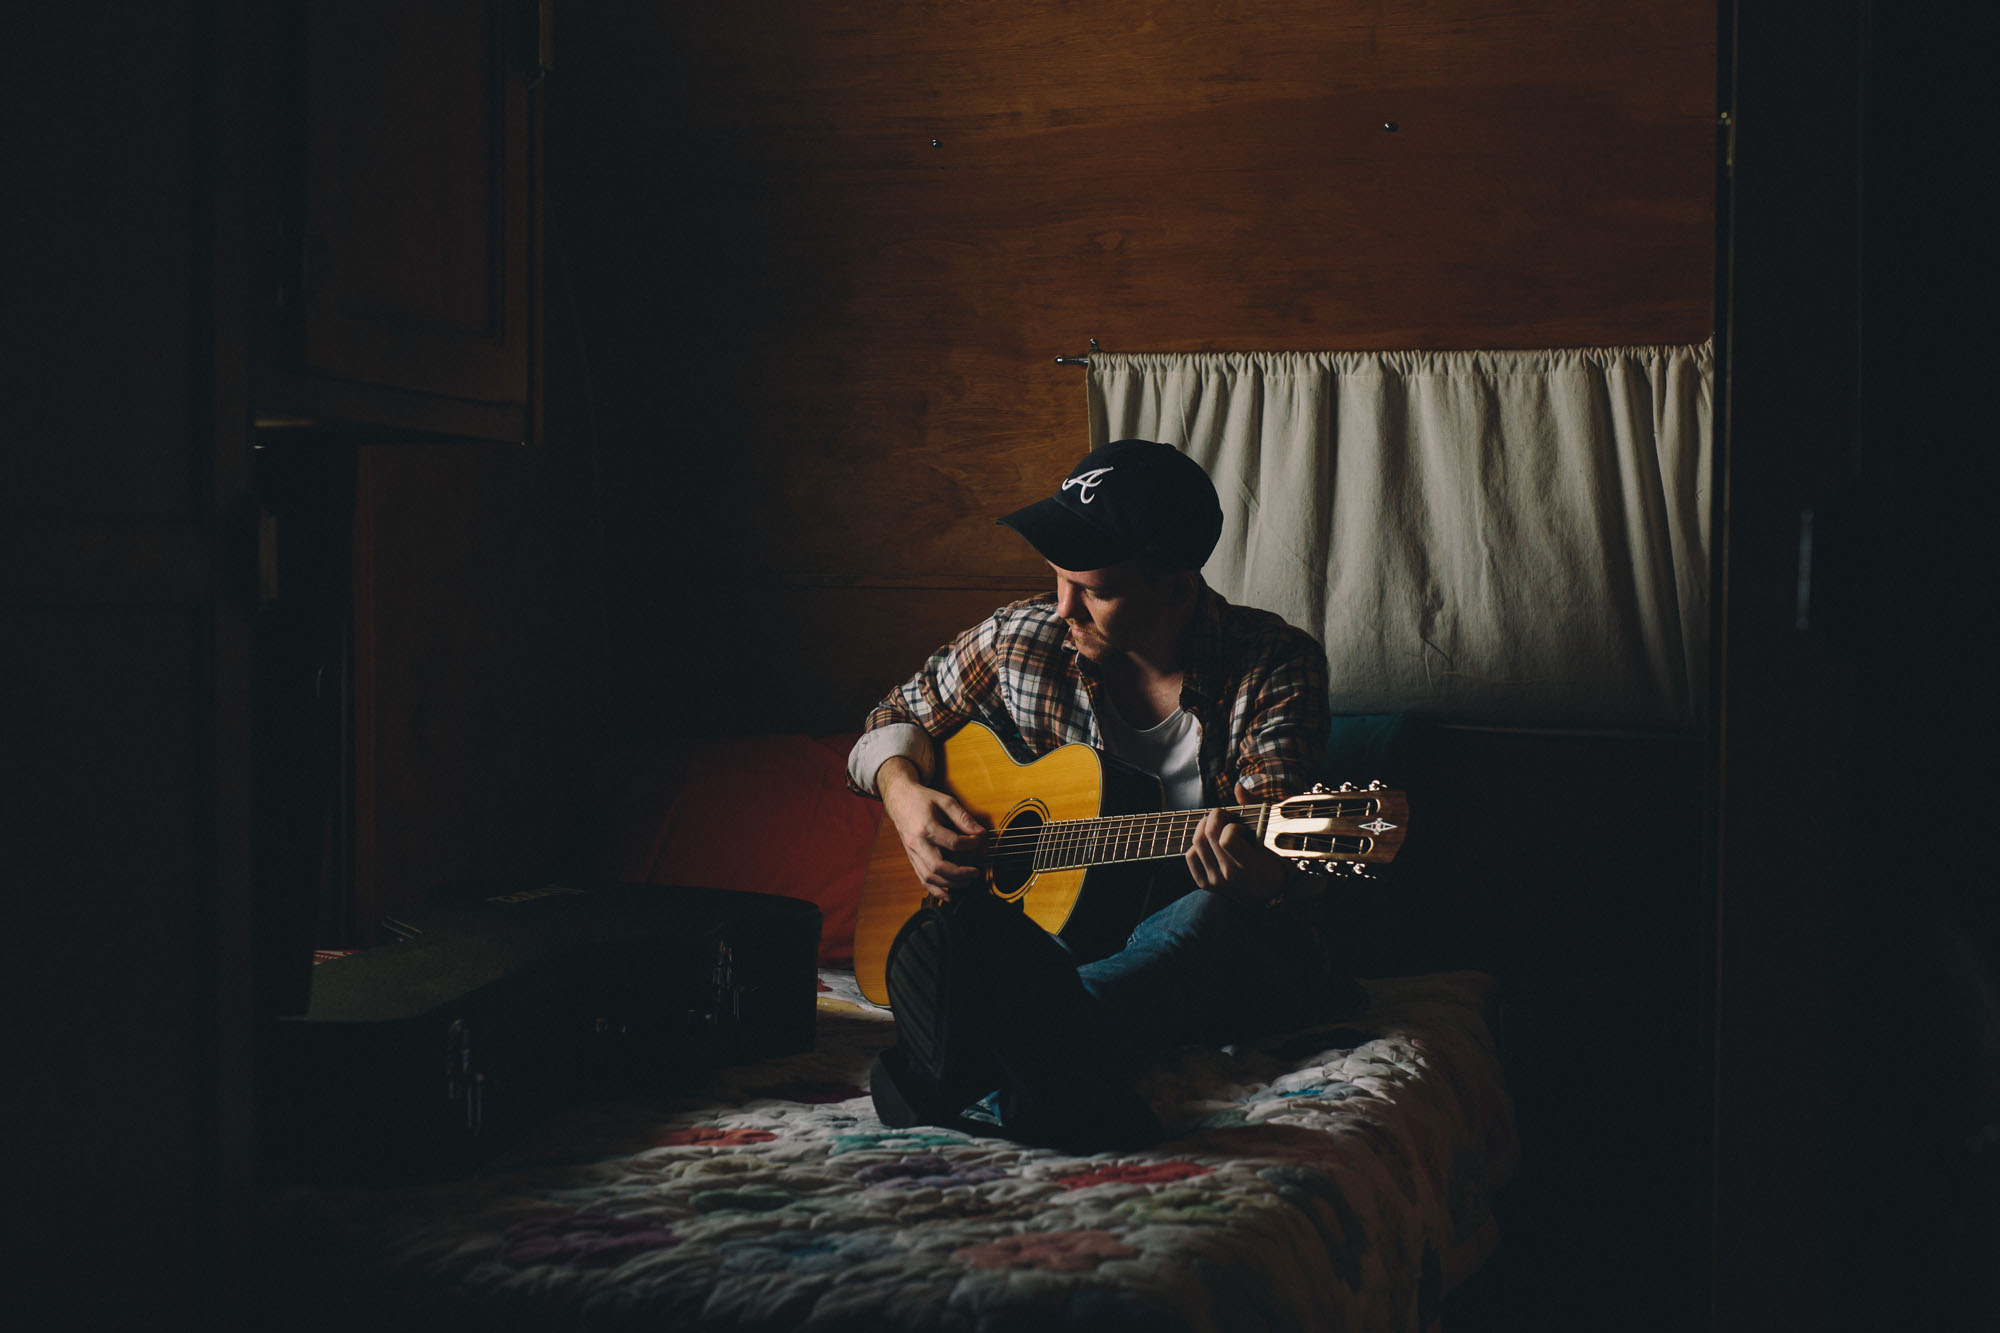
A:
(495, 1006)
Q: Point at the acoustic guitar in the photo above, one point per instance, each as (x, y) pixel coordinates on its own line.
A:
(1071, 827)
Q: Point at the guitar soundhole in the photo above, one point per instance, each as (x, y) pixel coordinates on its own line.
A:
(1013, 863)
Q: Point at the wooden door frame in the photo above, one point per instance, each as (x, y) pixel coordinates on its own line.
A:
(1849, 744)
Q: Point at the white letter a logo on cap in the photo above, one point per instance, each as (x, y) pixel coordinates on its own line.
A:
(1086, 482)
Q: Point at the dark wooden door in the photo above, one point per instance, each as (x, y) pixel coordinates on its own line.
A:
(416, 181)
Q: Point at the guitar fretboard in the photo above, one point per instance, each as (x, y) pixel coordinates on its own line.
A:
(1068, 844)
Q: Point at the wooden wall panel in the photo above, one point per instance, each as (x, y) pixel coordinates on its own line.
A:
(854, 635)
(826, 252)
(475, 675)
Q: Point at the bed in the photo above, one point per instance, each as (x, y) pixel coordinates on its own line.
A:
(1333, 1178)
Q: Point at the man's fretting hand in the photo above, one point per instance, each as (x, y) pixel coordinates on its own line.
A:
(1228, 858)
(938, 834)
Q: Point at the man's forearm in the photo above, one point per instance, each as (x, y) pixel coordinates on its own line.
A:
(893, 773)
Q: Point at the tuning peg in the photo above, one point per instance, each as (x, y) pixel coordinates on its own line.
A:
(1347, 786)
(1360, 871)
(1318, 789)
(1377, 785)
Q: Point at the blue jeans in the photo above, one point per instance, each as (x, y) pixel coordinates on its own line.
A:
(1207, 969)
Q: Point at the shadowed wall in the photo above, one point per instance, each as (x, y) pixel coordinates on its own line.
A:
(825, 254)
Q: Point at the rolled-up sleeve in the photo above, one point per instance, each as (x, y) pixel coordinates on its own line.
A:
(958, 682)
(890, 740)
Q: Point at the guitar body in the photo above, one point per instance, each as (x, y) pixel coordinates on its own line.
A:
(1090, 908)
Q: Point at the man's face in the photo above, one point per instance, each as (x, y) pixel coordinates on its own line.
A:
(1119, 609)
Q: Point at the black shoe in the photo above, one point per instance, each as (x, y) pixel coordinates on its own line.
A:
(902, 1100)
(902, 1097)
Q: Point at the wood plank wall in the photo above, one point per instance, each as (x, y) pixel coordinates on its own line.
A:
(826, 252)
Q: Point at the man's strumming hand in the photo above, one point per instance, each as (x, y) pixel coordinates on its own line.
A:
(941, 837)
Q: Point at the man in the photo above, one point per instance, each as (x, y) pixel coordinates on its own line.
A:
(1133, 654)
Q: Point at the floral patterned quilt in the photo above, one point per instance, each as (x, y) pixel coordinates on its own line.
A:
(1329, 1179)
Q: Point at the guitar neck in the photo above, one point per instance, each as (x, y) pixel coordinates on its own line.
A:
(1069, 844)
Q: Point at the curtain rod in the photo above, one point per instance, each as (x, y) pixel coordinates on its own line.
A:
(1078, 360)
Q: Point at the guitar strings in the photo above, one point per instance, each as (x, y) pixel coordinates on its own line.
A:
(1120, 826)
(1126, 833)
(1109, 839)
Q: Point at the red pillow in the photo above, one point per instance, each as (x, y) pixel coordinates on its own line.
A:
(763, 814)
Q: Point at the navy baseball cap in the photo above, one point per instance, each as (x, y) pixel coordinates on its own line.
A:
(1126, 499)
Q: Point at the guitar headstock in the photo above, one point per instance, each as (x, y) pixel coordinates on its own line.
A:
(1331, 829)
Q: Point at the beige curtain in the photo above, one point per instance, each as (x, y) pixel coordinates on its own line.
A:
(1501, 538)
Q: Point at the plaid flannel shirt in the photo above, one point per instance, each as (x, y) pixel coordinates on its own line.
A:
(1256, 685)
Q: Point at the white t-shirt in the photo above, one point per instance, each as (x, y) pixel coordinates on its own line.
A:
(1171, 749)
